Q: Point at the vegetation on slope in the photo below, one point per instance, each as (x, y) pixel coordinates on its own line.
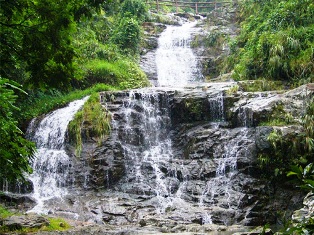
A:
(276, 41)
(58, 52)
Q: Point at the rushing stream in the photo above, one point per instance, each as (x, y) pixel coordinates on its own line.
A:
(51, 164)
(176, 63)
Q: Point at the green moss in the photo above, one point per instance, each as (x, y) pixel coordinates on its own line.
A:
(194, 108)
(56, 224)
(4, 213)
(273, 122)
(260, 85)
(232, 90)
(93, 120)
(279, 117)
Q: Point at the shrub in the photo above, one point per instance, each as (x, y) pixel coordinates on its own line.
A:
(127, 35)
(276, 41)
(134, 8)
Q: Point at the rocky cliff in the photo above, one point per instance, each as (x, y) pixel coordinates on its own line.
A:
(206, 170)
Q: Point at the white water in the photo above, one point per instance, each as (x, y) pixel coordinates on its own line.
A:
(146, 144)
(145, 141)
(51, 163)
(176, 63)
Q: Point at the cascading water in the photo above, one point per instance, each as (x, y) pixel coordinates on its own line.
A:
(145, 137)
(51, 164)
(146, 142)
(176, 63)
(155, 172)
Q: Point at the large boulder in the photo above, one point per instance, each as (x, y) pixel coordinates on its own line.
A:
(18, 222)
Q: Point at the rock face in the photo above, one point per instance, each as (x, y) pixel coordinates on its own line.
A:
(182, 157)
(29, 221)
(306, 213)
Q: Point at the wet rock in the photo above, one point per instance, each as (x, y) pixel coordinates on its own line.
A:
(17, 187)
(24, 221)
(307, 212)
(261, 137)
(23, 202)
(256, 231)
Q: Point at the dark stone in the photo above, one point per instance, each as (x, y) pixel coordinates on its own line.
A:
(261, 137)
(25, 221)
(19, 187)
(212, 166)
(21, 201)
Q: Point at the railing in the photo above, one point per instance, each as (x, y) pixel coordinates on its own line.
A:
(197, 6)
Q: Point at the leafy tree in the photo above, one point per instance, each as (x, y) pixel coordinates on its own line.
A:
(15, 150)
(36, 40)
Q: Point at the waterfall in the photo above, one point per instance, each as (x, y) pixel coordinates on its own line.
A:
(179, 171)
(176, 63)
(51, 163)
(146, 142)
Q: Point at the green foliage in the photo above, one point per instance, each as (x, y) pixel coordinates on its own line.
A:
(93, 119)
(127, 35)
(233, 90)
(56, 224)
(303, 228)
(274, 122)
(36, 40)
(278, 117)
(122, 73)
(304, 177)
(15, 150)
(135, 8)
(293, 149)
(4, 213)
(214, 38)
(39, 102)
(49, 48)
(260, 85)
(45, 44)
(276, 41)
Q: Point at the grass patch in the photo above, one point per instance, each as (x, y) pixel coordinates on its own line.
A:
(36, 104)
(92, 121)
(4, 213)
(260, 85)
(274, 122)
(56, 224)
(122, 73)
(232, 90)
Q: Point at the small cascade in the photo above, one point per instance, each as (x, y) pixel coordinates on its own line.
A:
(218, 191)
(175, 61)
(216, 107)
(145, 141)
(51, 164)
(245, 116)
